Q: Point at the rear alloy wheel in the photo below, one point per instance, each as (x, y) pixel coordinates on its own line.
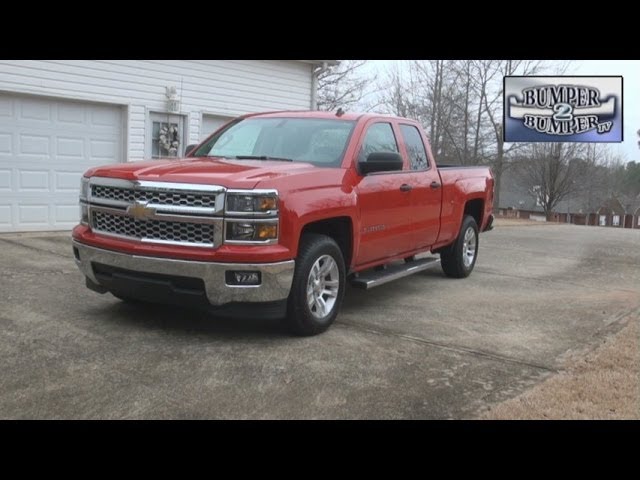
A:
(318, 286)
(459, 258)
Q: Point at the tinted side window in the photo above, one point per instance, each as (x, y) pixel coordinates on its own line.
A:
(379, 138)
(415, 148)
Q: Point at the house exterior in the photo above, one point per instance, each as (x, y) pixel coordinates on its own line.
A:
(587, 208)
(60, 117)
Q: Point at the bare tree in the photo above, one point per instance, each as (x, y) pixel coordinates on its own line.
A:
(552, 172)
(425, 91)
(343, 86)
(490, 74)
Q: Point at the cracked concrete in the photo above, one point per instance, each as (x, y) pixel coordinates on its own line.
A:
(422, 347)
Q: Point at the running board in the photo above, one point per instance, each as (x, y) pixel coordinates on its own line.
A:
(374, 278)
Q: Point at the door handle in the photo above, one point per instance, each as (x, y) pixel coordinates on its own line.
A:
(435, 185)
(405, 187)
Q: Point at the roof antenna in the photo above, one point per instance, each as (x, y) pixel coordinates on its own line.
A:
(340, 112)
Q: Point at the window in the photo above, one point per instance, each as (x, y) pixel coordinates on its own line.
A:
(237, 140)
(327, 145)
(379, 138)
(415, 147)
(603, 220)
(321, 142)
(616, 220)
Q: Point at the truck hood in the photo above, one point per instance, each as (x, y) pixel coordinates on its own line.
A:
(204, 170)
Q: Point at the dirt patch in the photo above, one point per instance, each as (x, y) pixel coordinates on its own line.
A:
(603, 384)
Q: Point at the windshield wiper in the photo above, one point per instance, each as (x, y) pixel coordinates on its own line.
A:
(262, 157)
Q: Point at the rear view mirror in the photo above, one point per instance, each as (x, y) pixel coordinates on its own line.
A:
(189, 149)
(381, 162)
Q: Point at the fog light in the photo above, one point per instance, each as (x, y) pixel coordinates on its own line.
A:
(243, 277)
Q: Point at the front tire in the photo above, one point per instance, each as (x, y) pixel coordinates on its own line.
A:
(318, 286)
(459, 258)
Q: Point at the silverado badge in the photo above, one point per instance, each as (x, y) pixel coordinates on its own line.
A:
(140, 211)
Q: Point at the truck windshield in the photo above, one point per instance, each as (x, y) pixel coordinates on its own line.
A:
(321, 142)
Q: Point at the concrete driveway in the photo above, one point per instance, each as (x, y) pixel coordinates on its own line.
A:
(422, 347)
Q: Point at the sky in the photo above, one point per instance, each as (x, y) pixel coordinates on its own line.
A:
(629, 69)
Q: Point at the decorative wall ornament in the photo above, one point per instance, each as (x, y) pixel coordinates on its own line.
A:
(170, 138)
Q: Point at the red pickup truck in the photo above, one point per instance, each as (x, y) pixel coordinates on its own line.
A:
(274, 213)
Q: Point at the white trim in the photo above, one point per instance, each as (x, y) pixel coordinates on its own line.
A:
(79, 98)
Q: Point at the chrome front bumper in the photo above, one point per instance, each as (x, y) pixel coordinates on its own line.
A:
(276, 277)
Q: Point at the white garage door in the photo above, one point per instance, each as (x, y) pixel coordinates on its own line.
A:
(45, 146)
(210, 123)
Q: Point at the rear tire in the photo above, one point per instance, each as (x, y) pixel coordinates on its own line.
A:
(318, 286)
(459, 258)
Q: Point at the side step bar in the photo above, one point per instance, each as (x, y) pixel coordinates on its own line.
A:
(374, 278)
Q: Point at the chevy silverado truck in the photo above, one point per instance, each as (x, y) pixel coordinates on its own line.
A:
(274, 213)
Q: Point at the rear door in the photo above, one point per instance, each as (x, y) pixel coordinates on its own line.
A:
(426, 188)
(384, 199)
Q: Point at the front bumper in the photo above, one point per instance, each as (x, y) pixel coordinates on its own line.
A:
(275, 285)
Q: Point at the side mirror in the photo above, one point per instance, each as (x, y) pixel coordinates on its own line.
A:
(189, 149)
(381, 162)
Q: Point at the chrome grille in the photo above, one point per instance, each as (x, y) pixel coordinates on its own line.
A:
(200, 234)
(157, 212)
(173, 198)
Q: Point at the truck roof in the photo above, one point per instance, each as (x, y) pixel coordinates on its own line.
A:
(321, 114)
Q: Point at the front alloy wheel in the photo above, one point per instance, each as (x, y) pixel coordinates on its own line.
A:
(318, 285)
(323, 286)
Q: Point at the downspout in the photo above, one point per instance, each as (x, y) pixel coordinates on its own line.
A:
(314, 84)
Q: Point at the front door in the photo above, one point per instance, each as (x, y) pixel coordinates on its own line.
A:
(385, 201)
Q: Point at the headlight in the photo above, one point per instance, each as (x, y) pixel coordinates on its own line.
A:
(252, 202)
(84, 213)
(84, 188)
(84, 194)
(251, 231)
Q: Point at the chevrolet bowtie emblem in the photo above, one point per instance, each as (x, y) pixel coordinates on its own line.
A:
(140, 211)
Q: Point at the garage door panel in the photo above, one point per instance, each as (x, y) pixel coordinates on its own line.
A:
(5, 179)
(67, 213)
(74, 114)
(35, 109)
(103, 150)
(66, 182)
(103, 117)
(45, 147)
(6, 144)
(33, 180)
(34, 144)
(34, 215)
(6, 107)
(5, 216)
(70, 147)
